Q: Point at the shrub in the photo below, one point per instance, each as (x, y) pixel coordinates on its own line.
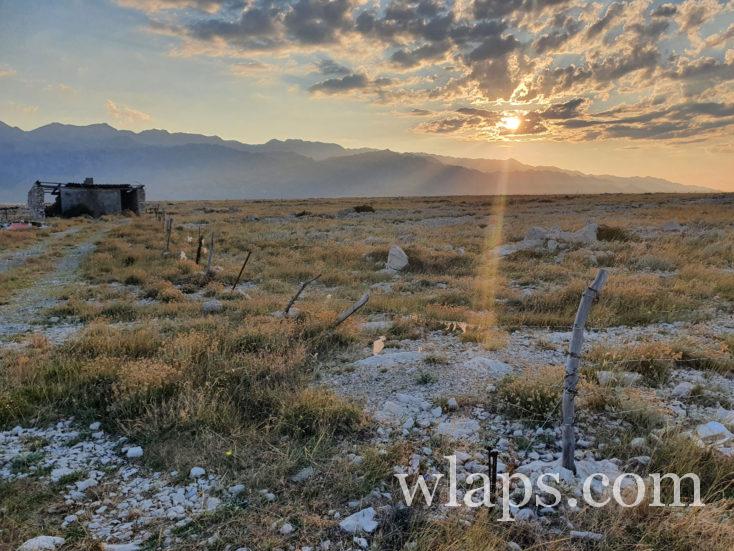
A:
(613, 233)
(533, 395)
(313, 411)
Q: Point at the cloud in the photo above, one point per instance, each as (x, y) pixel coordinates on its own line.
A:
(6, 71)
(331, 67)
(126, 115)
(554, 61)
(354, 81)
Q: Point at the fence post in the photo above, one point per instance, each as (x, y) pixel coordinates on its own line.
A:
(236, 281)
(211, 255)
(572, 368)
(169, 227)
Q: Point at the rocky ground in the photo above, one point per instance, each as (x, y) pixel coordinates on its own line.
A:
(434, 394)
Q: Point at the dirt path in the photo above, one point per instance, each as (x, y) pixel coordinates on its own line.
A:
(22, 314)
(17, 258)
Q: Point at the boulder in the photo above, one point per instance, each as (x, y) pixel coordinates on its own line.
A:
(396, 259)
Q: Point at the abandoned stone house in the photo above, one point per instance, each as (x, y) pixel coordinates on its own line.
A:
(74, 199)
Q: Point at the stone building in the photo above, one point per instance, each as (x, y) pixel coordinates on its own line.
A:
(74, 199)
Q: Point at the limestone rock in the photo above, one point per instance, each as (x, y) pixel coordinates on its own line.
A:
(42, 543)
(396, 259)
(211, 306)
(361, 521)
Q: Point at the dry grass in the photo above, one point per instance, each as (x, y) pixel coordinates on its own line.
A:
(233, 391)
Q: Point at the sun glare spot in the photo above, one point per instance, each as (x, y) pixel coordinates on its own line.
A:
(511, 123)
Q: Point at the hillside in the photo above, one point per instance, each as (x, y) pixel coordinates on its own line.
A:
(194, 166)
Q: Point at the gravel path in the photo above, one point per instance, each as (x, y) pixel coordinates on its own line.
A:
(17, 258)
(22, 313)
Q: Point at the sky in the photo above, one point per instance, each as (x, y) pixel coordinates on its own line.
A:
(631, 88)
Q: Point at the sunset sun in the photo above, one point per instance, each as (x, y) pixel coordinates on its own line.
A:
(511, 122)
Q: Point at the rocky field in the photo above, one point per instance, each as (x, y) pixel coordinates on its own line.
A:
(148, 401)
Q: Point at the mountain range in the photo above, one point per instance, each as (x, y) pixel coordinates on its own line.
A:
(194, 166)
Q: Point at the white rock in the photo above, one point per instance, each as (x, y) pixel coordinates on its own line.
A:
(396, 259)
(682, 390)
(134, 452)
(211, 306)
(197, 472)
(638, 443)
(120, 547)
(587, 536)
(459, 428)
(494, 367)
(452, 404)
(303, 475)
(361, 521)
(286, 529)
(95, 426)
(360, 542)
(714, 432)
(42, 543)
(236, 489)
(391, 359)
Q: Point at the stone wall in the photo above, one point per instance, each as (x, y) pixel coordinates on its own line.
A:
(15, 213)
(96, 202)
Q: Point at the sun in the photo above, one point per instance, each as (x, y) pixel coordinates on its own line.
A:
(511, 122)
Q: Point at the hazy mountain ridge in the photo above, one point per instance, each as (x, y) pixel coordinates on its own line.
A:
(194, 166)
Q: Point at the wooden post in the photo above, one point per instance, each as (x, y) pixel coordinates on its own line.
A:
(211, 255)
(341, 318)
(236, 281)
(572, 368)
(169, 227)
(199, 246)
(298, 294)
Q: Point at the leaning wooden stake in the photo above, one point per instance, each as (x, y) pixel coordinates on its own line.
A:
(341, 318)
(572, 368)
(298, 294)
(236, 282)
(211, 255)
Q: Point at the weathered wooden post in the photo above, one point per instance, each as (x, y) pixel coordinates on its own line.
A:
(199, 245)
(211, 255)
(572, 368)
(169, 227)
(236, 281)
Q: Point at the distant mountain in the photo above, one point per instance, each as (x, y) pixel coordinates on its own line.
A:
(193, 166)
